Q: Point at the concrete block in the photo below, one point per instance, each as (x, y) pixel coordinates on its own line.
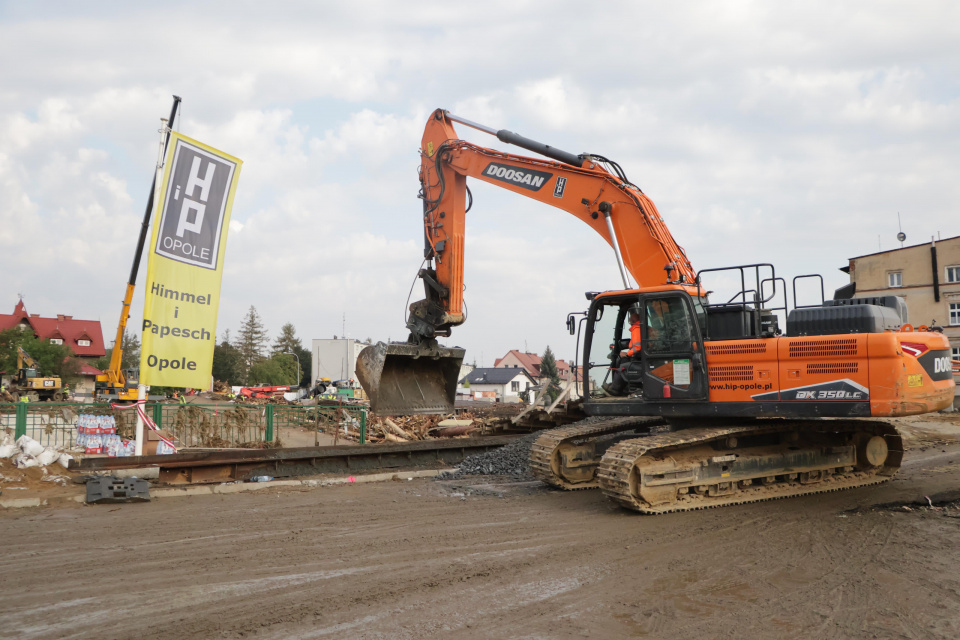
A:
(240, 487)
(20, 503)
(147, 473)
(199, 490)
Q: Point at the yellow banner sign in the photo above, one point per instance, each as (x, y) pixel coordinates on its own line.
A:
(185, 264)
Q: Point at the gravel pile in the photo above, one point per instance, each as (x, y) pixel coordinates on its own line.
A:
(510, 460)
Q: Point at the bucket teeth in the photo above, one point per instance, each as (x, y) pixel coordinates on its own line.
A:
(404, 379)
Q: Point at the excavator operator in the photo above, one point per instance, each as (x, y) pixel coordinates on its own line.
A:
(618, 385)
(634, 347)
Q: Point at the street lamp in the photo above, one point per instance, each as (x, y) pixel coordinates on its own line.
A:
(291, 353)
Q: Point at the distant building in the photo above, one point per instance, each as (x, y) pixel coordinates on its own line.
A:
(85, 388)
(336, 358)
(84, 337)
(530, 362)
(926, 276)
(498, 384)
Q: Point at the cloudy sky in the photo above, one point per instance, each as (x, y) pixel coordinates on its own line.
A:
(764, 132)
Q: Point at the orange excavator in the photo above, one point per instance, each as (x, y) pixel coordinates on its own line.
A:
(718, 404)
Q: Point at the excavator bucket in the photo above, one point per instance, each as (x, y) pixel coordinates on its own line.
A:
(402, 379)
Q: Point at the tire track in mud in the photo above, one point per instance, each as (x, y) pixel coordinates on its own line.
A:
(414, 560)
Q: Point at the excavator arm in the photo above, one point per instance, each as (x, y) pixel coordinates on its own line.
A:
(589, 187)
(420, 376)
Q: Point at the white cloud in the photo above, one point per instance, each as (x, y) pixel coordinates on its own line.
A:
(790, 134)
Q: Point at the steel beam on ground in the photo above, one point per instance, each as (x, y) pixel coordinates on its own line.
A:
(227, 465)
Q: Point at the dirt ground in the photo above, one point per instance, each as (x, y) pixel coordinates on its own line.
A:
(486, 558)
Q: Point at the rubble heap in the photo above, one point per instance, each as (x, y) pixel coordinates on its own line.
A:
(511, 460)
(410, 428)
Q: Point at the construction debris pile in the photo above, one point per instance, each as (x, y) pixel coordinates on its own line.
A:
(229, 426)
(511, 460)
(409, 428)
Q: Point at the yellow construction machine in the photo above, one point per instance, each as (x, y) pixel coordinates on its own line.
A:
(30, 384)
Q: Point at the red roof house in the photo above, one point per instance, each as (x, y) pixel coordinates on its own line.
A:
(531, 362)
(89, 370)
(84, 337)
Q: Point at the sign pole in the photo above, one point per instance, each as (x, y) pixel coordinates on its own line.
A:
(141, 396)
(164, 136)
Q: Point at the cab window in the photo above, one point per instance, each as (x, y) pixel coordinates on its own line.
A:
(668, 326)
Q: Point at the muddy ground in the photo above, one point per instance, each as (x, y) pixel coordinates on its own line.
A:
(486, 558)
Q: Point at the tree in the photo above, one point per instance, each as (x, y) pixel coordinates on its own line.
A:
(131, 353)
(276, 370)
(288, 342)
(227, 363)
(548, 371)
(251, 341)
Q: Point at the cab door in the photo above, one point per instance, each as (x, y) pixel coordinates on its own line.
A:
(674, 364)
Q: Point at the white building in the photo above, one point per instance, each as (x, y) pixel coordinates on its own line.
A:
(336, 358)
(498, 384)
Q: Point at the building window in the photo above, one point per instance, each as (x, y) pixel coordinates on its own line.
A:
(515, 386)
(56, 340)
(955, 353)
(953, 273)
(895, 279)
(954, 314)
(83, 343)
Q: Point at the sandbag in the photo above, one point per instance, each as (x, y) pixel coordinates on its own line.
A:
(48, 456)
(24, 461)
(29, 446)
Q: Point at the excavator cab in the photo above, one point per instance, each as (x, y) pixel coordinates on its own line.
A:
(670, 363)
(402, 378)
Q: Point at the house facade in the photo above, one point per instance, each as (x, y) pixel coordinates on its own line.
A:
(498, 384)
(84, 337)
(530, 362)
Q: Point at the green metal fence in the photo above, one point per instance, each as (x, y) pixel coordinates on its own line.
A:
(193, 425)
(325, 418)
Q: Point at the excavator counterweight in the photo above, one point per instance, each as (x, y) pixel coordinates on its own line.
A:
(402, 378)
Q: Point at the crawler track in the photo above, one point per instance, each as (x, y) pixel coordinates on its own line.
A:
(620, 477)
(546, 461)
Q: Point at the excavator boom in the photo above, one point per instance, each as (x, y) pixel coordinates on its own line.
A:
(419, 376)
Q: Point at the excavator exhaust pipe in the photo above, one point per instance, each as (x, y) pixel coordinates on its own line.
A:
(403, 379)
